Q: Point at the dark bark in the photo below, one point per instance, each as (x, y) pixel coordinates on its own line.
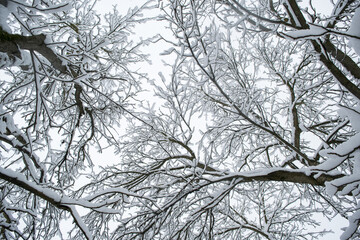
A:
(283, 175)
(11, 43)
(343, 58)
(336, 72)
(320, 48)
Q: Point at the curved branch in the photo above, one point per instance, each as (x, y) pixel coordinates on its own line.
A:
(10, 43)
(281, 175)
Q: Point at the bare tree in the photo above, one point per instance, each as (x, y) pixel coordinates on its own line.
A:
(254, 133)
(66, 88)
(261, 83)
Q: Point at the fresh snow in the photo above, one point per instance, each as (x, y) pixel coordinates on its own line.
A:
(353, 224)
(355, 30)
(313, 32)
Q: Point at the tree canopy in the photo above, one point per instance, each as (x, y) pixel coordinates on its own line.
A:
(252, 132)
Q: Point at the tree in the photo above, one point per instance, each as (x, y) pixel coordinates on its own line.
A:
(68, 84)
(254, 134)
(272, 143)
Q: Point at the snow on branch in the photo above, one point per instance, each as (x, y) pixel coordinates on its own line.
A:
(355, 31)
(314, 32)
(64, 202)
(302, 176)
(10, 44)
(51, 8)
(61, 201)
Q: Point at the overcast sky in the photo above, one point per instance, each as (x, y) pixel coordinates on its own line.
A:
(151, 28)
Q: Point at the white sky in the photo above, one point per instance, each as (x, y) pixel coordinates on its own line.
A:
(151, 28)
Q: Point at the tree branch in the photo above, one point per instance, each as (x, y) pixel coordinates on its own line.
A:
(10, 44)
(281, 175)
